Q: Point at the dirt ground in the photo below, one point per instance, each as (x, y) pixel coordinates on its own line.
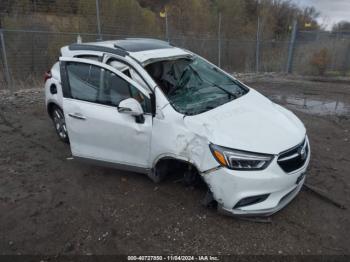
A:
(50, 204)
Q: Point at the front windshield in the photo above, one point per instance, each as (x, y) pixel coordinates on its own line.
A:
(193, 86)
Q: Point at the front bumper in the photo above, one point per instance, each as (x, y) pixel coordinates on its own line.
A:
(231, 186)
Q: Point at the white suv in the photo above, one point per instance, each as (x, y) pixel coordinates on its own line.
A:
(146, 106)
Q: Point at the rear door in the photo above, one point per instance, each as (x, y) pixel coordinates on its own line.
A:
(92, 92)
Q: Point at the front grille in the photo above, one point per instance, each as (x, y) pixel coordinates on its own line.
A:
(294, 158)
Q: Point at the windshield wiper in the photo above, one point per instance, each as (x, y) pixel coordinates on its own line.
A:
(213, 84)
(226, 91)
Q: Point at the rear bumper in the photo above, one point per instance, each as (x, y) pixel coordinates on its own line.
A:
(231, 186)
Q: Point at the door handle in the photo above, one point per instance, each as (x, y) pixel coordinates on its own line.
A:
(77, 116)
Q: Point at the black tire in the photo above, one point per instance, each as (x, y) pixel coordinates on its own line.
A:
(159, 174)
(191, 178)
(60, 124)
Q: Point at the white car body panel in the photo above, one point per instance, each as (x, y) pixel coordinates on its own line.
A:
(250, 123)
(171, 138)
(56, 99)
(93, 137)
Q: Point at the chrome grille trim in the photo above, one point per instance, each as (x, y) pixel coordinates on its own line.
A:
(294, 158)
(288, 157)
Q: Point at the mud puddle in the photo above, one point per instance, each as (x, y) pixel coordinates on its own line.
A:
(313, 106)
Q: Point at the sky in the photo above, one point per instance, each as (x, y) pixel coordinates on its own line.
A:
(332, 11)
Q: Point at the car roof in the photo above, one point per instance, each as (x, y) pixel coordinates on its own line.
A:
(141, 49)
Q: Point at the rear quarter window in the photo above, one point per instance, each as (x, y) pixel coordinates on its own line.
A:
(90, 57)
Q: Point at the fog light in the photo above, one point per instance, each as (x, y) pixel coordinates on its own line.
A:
(251, 200)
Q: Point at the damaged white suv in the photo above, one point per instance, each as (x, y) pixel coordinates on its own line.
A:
(146, 106)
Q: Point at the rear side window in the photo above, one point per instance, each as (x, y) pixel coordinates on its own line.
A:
(84, 81)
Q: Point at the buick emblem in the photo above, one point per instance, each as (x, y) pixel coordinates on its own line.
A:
(302, 152)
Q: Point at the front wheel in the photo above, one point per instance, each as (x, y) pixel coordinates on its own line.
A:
(60, 124)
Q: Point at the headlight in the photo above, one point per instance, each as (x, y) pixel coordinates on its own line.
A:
(240, 160)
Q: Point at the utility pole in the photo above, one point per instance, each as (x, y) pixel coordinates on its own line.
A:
(291, 47)
(219, 41)
(165, 16)
(257, 52)
(98, 21)
(6, 69)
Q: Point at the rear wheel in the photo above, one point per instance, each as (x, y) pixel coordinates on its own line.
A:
(60, 124)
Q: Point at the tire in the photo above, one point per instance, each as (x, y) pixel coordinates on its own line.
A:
(60, 124)
(159, 174)
(191, 178)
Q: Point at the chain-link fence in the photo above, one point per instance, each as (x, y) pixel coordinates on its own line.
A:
(33, 34)
(317, 52)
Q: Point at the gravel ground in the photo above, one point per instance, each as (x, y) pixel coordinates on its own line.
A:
(50, 204)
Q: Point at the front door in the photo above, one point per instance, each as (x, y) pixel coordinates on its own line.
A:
(92, 92)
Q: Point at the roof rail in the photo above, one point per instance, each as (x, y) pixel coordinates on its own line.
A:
(116, 50)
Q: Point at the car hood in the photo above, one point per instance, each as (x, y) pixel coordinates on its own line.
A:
(251, 123)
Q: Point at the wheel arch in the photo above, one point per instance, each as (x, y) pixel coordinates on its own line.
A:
(173, 161)
(173, 157)
(51, 106)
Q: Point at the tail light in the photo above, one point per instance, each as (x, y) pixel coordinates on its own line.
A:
(47, 76)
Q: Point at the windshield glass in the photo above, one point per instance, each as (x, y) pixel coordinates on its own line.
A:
(193, 86)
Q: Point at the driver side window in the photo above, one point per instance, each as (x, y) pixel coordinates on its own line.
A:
(94, 84)
(116, 89)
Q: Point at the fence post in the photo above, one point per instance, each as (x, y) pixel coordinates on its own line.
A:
(291, 47)
(219, 41)
(166, 25)
(98, 21)
(7, 71)
(257, 52)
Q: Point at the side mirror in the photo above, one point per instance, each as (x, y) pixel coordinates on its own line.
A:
(131, 106)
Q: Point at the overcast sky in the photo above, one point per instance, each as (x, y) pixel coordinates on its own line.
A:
(332, 11)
